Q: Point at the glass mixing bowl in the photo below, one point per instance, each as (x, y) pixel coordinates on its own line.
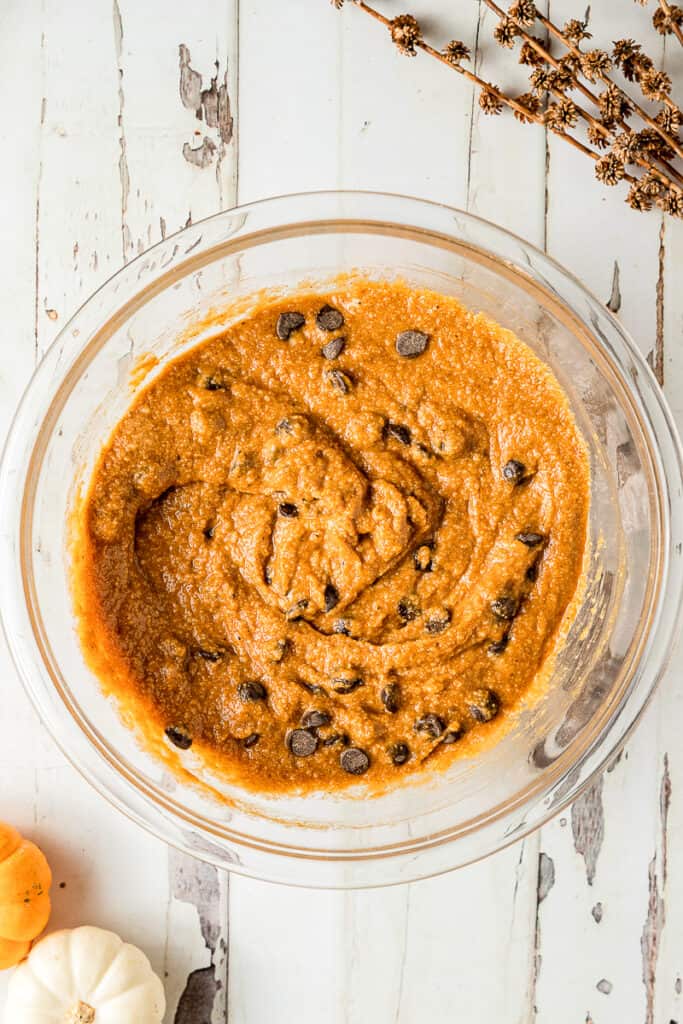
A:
(618, 645)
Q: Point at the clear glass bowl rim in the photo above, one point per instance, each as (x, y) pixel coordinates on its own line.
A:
(150, 808)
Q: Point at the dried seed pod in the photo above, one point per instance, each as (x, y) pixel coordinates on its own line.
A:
(614, 106)
(530, 56)
(506, 32)
(562, 115)
(406, 33)
(652, 143)
(627, 147)
(565, 73)
(672, 202)
(524, 12)
(637, 199)
(456, 51)
(609, 169)
(542, 79)
(650, 184)
(595, 64)
(656, 85)
(575, 31)
(598, 138)
(624, 49)
(531, 103)
(489, 102)
(670, 119)
(667, 21)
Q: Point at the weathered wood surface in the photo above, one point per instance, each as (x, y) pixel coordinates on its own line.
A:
(103, 154)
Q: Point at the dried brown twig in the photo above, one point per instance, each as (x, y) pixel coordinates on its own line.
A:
(596, 64)
(649, 149)
(406, 34)
(614, 105)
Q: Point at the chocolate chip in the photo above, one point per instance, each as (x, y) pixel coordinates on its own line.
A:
(288, 322)
(341, 626)
(430, 724)
(302, 743)
(312, 688)
(452, 736)
(391, 698)
(315, 719)
(398, 432)
(354, 761)
(267, 575)
(296, 611)
(483, 705)
(331, 597)
(209, 531)
(438, 622)
(341, 381)
(399, 753)
(251, 740)
(208, 655)
(251, 691)
(329, 319)
(179, 737)
(498, 646)
(411, 344)
(337, 737)
(408, 609)
(531, 540)
(514, 471)
(505, 608)
(212, 384)
(284, 427)
(532, 572)
(279, 649)
(288, 510)
(347, 685)
(422, 559)
(334, 347)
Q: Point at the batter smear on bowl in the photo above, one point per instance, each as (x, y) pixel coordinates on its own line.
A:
(340, 540)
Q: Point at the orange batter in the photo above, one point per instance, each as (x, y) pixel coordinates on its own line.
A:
(340, 539)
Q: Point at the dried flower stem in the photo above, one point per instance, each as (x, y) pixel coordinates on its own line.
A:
(675, 27)
(670, 173)
(604, 77)
(541, 50)
(508, 101)
(666, 176)
(658, 185)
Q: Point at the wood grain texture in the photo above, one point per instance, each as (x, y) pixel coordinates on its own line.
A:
(135, 119)
(603, 855)
(100, 117)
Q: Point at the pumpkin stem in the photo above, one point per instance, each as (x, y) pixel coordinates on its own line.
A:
(80, 1013)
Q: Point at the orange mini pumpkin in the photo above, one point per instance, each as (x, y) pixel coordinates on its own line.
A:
(25, 879)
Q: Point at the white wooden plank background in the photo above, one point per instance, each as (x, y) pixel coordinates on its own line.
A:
(581, 922)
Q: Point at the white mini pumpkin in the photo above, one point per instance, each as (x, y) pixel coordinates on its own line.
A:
(84, 976)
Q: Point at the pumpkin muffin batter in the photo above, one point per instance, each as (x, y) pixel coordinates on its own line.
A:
(341, 538)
